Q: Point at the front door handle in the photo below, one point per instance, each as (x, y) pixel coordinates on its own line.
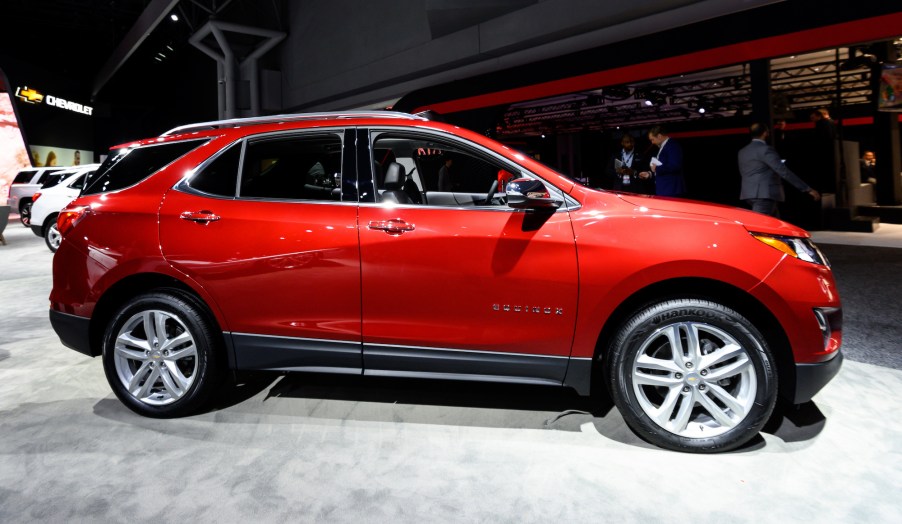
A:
(202, 217)
(394, 226)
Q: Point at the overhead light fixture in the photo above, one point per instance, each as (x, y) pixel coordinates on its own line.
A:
(174, 17)
(701, 110)
(649, 102)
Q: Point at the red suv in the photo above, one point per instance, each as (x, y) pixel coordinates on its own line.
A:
(383, 244)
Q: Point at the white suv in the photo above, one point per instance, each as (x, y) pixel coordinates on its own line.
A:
(49, 200)
(23, 187)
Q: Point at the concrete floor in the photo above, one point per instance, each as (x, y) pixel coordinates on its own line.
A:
(315, 448)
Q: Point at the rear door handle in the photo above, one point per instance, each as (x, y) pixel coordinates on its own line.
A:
(394, 226)
(202, 217)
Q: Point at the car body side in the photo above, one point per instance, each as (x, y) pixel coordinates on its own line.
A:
(628, 250)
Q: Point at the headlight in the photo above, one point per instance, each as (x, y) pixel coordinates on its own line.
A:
(801, 248)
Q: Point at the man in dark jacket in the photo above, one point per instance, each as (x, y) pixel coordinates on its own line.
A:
(667, 167)
(624, 168)
(761, 170)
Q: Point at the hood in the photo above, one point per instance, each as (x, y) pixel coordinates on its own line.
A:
(750, 220)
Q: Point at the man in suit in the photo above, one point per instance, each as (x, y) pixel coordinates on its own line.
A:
(761, 170)
(667, 167)
(626, 178)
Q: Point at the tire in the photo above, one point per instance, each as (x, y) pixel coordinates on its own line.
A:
(179, 374)
(52, 235)
(25, 214)
(714, 393)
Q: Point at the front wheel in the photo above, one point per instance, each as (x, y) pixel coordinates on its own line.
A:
(692, 375)
(161, 355)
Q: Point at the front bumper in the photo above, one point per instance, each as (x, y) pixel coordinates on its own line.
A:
(810, 378)
(37, 230)
(74, 332)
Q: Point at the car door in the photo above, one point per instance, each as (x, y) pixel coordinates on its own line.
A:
(280, 258)
(454, 286)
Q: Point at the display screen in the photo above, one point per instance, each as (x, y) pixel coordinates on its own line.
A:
(13, 155)
(889, 98)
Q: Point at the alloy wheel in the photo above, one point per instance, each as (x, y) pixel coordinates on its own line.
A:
(694, 379)
(155, 357)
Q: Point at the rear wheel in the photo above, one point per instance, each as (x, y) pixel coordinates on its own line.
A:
(25, 214)
(161, 355)
(51, 234)
(692, 375)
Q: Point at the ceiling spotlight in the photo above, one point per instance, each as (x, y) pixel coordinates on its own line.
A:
(174, 17)
(543, 135)
(701, 110)
(649, 103)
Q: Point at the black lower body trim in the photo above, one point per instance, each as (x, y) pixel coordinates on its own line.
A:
(810, 378)
(579, 375)
(274, 353)
(463, 365)
(262, 352)
(73, 332)
(37, 230)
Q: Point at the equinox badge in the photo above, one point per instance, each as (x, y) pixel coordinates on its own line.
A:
(528, 309)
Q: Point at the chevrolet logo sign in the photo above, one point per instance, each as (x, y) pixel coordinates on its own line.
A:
(32, 96)
(29, 95)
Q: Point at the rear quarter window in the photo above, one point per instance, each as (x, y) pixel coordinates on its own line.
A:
(24, 177)
(54, 179)
(130, 166)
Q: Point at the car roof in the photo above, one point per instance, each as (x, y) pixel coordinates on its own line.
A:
(259, 124)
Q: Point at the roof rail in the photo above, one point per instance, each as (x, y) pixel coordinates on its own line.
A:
(234, 122)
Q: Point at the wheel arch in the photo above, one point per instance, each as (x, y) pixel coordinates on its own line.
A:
(707, 289)
(133, 285)
(23, 201)
(48, 220)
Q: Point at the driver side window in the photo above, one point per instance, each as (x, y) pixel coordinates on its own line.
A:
(418, 170)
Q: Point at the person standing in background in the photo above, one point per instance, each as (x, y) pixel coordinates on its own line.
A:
(761, 169)
(624, 167)
(825, 156)
(666, 169)
(869, 167)
(444, 175)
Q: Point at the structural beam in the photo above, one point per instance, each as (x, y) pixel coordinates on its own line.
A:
(144, 25)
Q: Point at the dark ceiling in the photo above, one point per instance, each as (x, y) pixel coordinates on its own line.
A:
(69, 37)
(75, 38)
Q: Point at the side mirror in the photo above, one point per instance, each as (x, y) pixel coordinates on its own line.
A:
(528, 193)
